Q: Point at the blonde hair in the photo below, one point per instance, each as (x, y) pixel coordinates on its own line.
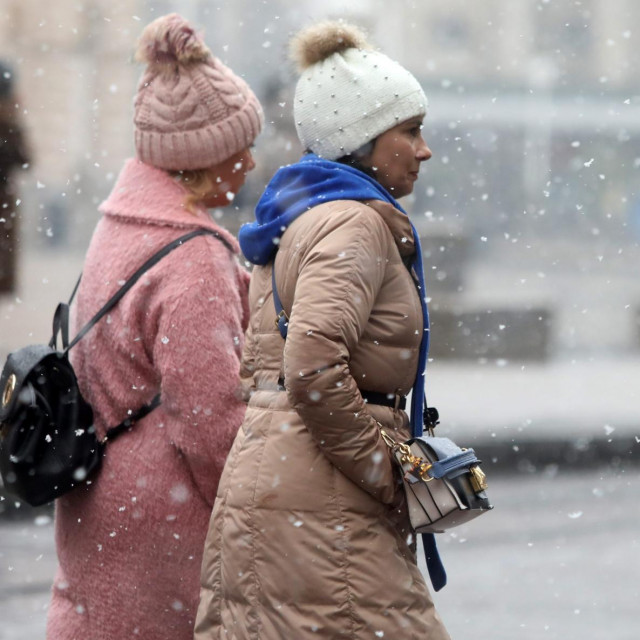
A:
(197, 182)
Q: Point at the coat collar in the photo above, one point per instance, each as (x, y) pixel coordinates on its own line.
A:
(399, 224)
(147, 195)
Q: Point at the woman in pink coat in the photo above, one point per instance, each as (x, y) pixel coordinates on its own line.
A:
(130, 543)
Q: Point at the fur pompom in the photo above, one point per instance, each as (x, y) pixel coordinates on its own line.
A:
(170, 39)
(318, 42)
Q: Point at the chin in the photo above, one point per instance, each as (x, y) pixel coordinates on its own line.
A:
(401, 193)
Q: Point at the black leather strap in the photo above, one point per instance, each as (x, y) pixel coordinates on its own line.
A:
(60, 325)
(134, 417)
(384, 399)
(371, 397)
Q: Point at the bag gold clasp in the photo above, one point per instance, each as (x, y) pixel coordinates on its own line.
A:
(9, 388)
(478, 479)
(419, 469)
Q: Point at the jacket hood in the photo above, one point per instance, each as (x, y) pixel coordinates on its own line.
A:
(297, 188)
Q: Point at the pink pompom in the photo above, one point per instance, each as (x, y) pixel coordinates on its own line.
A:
(170, 39)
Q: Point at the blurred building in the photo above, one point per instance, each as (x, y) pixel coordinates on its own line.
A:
(14, 156)
(534, 123)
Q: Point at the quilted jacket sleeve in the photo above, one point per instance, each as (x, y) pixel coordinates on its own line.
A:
(196, 351)
(337, 284)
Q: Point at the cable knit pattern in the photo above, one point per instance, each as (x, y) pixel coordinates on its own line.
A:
(189, 113)
(230, 90)
(130, 545)
(162, 110)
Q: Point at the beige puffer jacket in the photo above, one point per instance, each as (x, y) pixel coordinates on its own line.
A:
(309, 538)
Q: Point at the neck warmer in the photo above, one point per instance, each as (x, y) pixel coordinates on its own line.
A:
(309, 182)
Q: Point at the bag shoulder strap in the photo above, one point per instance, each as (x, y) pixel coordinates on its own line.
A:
(135, 416)
(61, 319)
(63, 315)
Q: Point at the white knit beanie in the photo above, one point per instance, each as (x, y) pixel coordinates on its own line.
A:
(348, 94)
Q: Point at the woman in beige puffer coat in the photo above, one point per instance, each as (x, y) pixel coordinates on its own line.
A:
(309, 537)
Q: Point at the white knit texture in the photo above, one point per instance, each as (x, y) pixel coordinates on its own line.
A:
(350, 98)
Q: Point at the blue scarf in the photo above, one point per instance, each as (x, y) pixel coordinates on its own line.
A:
(301, 186)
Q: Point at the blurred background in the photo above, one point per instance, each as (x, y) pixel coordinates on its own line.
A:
(529, 210)
(529, 213)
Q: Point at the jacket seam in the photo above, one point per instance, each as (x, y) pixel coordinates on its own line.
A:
(252, 529)
(345, 555)
(217, 535)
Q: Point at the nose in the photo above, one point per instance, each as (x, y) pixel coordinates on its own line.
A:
(423, 152)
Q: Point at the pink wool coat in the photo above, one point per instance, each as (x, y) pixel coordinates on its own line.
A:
(130, 545)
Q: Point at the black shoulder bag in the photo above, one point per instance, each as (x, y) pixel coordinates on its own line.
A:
(48, 442)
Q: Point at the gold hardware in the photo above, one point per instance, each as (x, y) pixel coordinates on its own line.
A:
(388, 440)
(405, 451)
(418, 465)
(406, 457)
(478, 479)
(282, 314)
(9, 388)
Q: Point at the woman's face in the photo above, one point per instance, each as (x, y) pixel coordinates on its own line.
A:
(228, 177)
(397, 155)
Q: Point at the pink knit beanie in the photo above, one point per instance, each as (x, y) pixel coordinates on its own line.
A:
(191, 111)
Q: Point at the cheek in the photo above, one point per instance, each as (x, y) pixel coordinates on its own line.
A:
(401, 156)
(238, 180)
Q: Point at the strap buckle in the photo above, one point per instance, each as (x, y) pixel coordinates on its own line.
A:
(279, 317)
(431, 417)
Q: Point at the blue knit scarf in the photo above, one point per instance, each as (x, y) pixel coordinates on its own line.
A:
(301, 186)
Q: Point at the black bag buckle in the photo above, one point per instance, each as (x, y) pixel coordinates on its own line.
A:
(431, 418)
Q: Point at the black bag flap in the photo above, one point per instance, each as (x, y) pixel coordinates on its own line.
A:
(17, 367)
